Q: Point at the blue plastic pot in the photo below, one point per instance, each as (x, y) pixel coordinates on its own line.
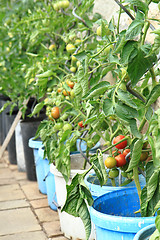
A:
(96, 190)
(49, 181)
(40, 174)
(145, 233)
(114, 218)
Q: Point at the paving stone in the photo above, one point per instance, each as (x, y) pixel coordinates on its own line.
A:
(14, 204)
(31, 190)
(39, 203)
(57, 238)
(11, 192)
(46, 215)
(13, 167)
(19, 175)
(7, 181)
(52, 229)
(39, 235)
(18, 220)
(3, 165)
(6, 173)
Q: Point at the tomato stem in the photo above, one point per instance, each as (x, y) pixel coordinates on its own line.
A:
(113, 182)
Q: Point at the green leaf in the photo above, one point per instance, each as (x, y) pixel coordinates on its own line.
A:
(142, 6)
(37, 109)
(133, 128)
(108, 108)
(134, 29)
(129, 50)
(139, 65)
(97, 90)
(77, 193)
(47, 74)
(99, 168)
(125, 97)
(152, 184)
(120, 42)
(136, 154)
(154, 94)
(125, 112)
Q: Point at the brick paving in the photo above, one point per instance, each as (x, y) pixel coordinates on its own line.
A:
(24, 211)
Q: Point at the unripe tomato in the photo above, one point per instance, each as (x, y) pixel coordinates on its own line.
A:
(65, 4)
(74, 59)
(99, 31)
(72, 94)
(113, 173)
(122, 144)
(107, 49)
(52, 46)
(110, 162)
(78, 63)
(58, 126)
(78, 41)
(120, 159)
(90, 143)
(73, 69)
(124, 174)
(67, 126)
(70, 48)
(126, 151)
(159, 6)
(144, 156)
(55, 112)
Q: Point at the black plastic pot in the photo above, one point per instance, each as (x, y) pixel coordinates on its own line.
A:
(12, 144)
(28, 129)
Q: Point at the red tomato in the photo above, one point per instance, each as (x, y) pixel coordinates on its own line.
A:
(121, 161)
(126, 151)
(122, 144)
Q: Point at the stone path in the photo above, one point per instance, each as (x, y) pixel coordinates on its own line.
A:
(24, 211)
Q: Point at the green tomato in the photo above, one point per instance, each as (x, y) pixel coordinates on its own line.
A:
(159, 6)
(58, 126)
(65, 4)
(67, 126)
(70, 48)
(124, 174)
(64, 116)
(113, 173)
(90, 143)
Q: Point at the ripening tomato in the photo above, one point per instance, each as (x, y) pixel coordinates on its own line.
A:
(121, 161)
(55, 112)
(122, 144)
(66, 93)
(110, 162)
(81, 124)
(70, 84)
(144, 156)
(126, 151)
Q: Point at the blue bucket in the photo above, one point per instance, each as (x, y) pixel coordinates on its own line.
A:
(36, 144)
(145, 233)
(96, 190)
(114, 217)
(50, 182)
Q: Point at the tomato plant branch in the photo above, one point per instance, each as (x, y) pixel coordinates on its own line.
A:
(154, 82)
(102, 49)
